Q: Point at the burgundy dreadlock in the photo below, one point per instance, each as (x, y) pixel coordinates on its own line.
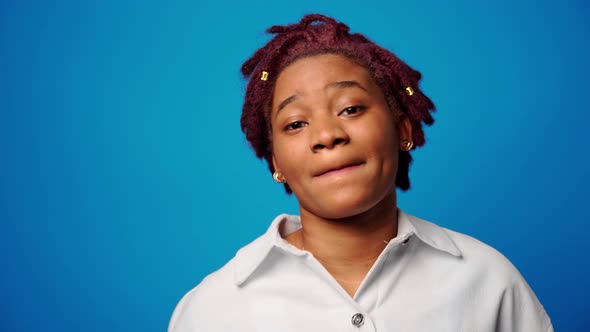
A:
(317, 34)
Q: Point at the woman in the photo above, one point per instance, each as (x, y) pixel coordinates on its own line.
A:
(336, 116)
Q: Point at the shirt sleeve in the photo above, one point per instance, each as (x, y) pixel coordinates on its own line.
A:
(521, 311)
(179, 321)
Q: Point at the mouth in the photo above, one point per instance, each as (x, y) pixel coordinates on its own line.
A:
(339, 169)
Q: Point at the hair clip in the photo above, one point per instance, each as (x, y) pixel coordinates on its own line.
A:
(409, 91)
(264, 76)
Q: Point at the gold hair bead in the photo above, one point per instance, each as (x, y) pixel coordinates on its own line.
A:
(264, 76)
(409, 91)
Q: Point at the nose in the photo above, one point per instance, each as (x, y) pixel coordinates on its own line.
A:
(327, 134)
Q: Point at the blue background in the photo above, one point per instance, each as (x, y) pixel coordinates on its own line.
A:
(125, 179)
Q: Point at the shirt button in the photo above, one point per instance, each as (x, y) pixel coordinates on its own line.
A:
(407, 240)
(358, 319)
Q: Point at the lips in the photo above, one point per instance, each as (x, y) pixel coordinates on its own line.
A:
(336, 169)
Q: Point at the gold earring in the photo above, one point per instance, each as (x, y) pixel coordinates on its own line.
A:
(407, 145)
(278, 177)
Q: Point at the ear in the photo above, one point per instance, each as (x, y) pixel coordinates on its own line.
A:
(274, 163)
(405, 129)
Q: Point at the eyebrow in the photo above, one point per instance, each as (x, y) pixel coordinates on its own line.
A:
(346, 84)
(286, 102)
(339, 85)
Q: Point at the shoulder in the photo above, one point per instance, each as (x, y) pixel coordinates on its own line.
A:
(459, 251)
(482, 258)
(209, 298)
(481, 266)
(492, 279)
(219, 295)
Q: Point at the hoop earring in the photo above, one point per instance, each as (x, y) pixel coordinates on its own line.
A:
(407, 145)
(278, 177)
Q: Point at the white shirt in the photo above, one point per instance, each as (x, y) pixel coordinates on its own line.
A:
(426, 279)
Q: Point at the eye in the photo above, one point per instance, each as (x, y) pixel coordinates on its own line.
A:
(294, 125)
(352, 110)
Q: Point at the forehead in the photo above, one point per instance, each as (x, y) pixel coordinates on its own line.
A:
(316, 72)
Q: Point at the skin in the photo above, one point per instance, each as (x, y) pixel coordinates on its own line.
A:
(336, 143)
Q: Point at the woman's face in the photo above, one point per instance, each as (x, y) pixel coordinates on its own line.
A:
(335, 139)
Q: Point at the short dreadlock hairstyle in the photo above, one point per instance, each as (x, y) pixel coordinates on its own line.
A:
(317, 34)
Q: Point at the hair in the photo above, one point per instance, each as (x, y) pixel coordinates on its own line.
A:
(317, 34)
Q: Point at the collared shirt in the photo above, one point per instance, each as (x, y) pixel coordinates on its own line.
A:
(426, 279)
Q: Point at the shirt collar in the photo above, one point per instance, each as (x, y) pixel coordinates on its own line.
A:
(250, 257)
(429, 233)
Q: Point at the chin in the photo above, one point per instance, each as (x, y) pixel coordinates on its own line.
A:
(343, 205)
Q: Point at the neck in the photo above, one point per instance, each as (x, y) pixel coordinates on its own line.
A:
(348, 247)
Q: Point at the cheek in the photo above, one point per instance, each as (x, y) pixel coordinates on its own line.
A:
(288, 156)
(390, 146)
(381, 137)
(384, 143)
(390, 149)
